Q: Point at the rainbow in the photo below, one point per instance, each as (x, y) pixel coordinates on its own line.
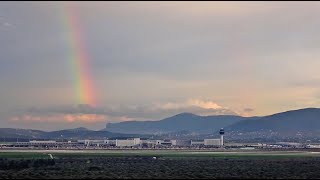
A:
(79, 58)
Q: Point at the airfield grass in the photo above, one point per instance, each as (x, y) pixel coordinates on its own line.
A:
(23, 155)
(167, 165)
(165, 154)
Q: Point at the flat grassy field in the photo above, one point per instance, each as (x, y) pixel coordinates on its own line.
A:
(169, 165)
(34, 154)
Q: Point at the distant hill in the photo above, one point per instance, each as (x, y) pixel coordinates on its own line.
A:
(181, 122)
(20, 133)
(85, 134)
(302, 122)
(78, 133)
(299, 124)
(295, 120)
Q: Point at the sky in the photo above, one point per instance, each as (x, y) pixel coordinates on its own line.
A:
(71, 64)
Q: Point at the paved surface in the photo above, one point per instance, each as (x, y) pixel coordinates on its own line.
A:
(169, 152)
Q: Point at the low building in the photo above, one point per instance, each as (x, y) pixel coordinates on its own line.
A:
(197, 143)
(158, 142)
(288, 144)
(212, 142)
(137, 141)
(166, 143)
(111, 142)
(93, 142)
(128, 142)
(181, 142)
(313, 146)
(125, 143)
(42, 142)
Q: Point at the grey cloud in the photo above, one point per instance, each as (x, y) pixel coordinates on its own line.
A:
(141, 53)
(310, 82)
(205, 43)
(149, 112)
(66, 109)
(248, 110)
(134, 112)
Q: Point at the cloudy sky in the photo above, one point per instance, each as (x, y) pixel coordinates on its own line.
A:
(151, 60)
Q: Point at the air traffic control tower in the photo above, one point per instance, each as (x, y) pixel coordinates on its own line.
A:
(221, 132)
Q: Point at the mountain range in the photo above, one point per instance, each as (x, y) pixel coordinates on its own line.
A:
(295, 124)
(296, 120)
(305, 121)
(180, 122)
(79, 133)
(302, 122)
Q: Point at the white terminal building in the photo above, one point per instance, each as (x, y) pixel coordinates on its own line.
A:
(128, 142)
(212, 142)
